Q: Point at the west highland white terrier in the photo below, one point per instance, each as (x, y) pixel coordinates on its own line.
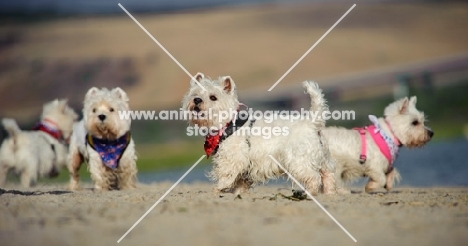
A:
(240, 152)
(41, 152)
(370, 151)
(103, 140)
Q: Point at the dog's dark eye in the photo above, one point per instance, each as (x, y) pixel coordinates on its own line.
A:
(415, 123)
(111, 109)
(94, 110)
(213, 98)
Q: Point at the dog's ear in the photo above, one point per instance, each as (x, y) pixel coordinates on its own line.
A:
(55, 103)
(72, 112)
(404, 105)
(91, 92)
(65, 108)
(228, 84)
(119, 93)
(197, 78)
(413, 101)
(63, 105)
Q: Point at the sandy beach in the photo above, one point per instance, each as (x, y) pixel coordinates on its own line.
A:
(193, 215)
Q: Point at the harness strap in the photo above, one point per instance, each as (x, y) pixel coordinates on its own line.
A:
(363, 155)
(247, 139)
(50, 128)
(388, 145)
(53, 171)
(395, 139)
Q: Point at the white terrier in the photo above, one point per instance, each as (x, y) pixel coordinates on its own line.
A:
(103, 140)
(241, 155)
(371, 151)
(38, 153)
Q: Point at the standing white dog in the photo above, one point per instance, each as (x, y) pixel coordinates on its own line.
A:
(39, 153)
(371, 151)
(240, 150)
(103, 140)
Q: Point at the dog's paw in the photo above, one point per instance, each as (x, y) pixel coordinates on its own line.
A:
(388, 187)
(343, 191)
(221, 191)
(74, 188)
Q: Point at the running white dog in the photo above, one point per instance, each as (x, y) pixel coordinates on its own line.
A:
(242, 158)
(41, 152)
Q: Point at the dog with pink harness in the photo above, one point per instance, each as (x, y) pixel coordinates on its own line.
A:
(371, 151)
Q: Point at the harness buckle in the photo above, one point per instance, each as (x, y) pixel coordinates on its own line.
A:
(362, 159)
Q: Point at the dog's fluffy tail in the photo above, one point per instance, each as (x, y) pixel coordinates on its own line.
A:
(11, 127)
(397, 177)
(318, 104)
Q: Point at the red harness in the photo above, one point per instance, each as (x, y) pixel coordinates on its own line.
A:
(212, 141)
(50, 128)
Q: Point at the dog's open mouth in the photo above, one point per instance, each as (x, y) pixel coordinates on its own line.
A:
(196, 111)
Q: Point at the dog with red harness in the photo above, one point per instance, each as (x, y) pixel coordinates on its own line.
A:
(241, 157)
(41, 152)
(371, 151)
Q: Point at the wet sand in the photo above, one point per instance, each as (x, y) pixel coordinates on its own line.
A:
(193, 215)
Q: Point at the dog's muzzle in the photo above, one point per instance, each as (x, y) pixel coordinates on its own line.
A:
(197, 100)
(430, 132)
(102, 117)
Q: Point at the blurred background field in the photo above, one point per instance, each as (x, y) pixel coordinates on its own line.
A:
(53, 49)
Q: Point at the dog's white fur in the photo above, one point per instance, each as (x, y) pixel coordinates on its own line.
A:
(237, 166)
(103, 102)
(35, 154)
(408, 126)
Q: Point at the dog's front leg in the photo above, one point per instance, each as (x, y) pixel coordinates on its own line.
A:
(225, 184)
(227, 169)
(376, 180)
(392, 176)
(226, 175)
(328, 182)
(99, 176)
(3, 174)
(243, 184)
(26, 178)
(74, 163)
(128, 172)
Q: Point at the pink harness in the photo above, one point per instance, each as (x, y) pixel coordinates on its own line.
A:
(380, 141)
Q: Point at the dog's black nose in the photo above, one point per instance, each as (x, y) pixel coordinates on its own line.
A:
(102, 117)
(197, 100)
(431, 133)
